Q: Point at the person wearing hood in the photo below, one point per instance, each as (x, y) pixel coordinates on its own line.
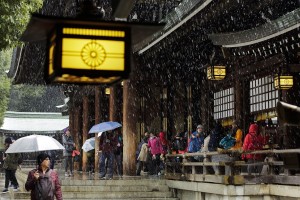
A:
(43, 181)
(164, 142)
(253, 141)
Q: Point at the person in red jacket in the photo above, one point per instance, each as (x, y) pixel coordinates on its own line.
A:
(164, 142)
(253, 141)
(43, 181)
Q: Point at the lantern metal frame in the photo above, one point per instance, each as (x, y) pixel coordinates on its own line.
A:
(216, 72)
(283, 82)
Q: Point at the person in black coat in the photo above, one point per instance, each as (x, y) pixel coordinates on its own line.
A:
(215, 138)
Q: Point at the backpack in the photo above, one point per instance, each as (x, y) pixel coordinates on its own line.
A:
(44, 187)
(227, 142)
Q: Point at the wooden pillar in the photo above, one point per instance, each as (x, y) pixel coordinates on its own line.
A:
(164, 109)
(77, 127)
(112, 103)
(238, 96)
(196, 104)
(205, 108)
(130, 118)
(71, 115)
(179, 113)
(77, 132)
(189, 108)
(85, 129)
(98, 118)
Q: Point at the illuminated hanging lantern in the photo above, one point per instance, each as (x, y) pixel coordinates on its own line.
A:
(216, 72)
(283, 82)
(107, 91)
(87, 55)
(84, 51)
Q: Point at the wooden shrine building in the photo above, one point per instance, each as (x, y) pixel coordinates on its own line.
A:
(170, 88)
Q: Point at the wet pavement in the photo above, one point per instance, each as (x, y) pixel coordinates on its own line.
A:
(77, 176)
(5, 196)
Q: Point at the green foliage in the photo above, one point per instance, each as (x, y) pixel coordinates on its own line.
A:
(5, 59)
(29, 98)
(23, 96)
(14, 17)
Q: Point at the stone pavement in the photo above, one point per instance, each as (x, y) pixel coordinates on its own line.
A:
(7, 195)
(88, 186)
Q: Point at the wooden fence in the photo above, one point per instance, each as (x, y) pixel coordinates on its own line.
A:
(227, 167)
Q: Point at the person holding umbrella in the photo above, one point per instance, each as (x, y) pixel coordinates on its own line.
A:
(108, 144)
(11, 162)
(43, 181)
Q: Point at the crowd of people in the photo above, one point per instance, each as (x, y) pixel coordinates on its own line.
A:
(151, 152)
(220, 138)
(150, 155)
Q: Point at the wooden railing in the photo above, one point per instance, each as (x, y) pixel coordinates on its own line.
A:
(278, 166)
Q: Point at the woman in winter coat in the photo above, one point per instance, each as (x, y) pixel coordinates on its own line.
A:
(237, 133)
(253, 141)
(43, 182)
(142, 159)
(156, 150)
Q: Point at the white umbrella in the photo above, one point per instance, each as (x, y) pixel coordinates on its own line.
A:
(89, 144)
(34, 143)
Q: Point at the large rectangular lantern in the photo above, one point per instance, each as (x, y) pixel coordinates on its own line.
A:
(88, 54)
(86, 51)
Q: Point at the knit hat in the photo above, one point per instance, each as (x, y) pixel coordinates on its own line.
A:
(41, 157)
(199, 126)
(8, 140)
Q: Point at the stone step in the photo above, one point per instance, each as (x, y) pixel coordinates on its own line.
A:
(140, 198)
(116, 195)
(21, 195)
(113, 188)
(147, 182)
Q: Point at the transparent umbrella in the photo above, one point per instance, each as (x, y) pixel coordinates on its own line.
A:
(89, 144)
(34, 143)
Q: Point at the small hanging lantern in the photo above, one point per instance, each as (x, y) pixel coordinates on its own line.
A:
(283, 82)
(216, 72)
(107, 91)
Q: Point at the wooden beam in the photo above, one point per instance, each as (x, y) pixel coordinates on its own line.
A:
(122, 9)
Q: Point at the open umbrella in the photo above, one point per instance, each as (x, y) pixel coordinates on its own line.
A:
(89, 144)
(104, 126)
(34, 143)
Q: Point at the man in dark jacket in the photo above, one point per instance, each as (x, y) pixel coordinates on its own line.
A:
(10, 165)
(213, 144)
(107, 146)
